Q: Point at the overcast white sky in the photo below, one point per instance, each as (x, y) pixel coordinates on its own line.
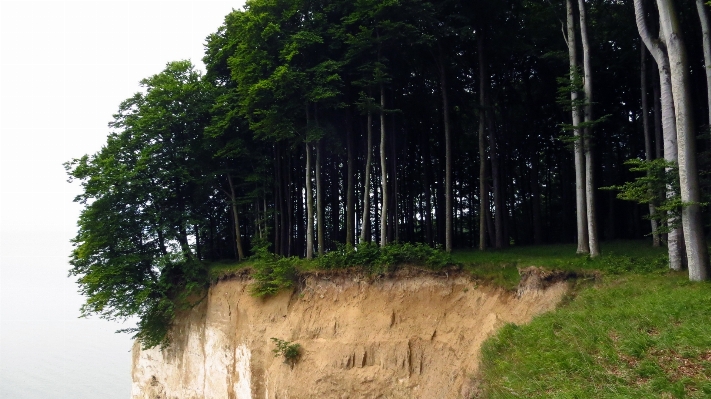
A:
(64, 68)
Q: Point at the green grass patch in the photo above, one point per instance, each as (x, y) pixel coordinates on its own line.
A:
(500, 267)
(635, 336)
(226, 268)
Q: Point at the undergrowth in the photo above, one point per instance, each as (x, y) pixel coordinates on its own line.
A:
(377, 260)
(272, 273)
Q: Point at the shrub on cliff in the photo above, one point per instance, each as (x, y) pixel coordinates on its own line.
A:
(272, 273)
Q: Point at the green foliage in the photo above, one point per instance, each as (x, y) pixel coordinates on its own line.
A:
(633, 337)
(377, 260)
(272, 273)
(290, 351)
(659, 177)
(141, 193)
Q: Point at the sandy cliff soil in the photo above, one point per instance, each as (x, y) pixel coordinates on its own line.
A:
(414, 335)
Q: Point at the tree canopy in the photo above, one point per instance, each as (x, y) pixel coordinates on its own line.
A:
(197, 167)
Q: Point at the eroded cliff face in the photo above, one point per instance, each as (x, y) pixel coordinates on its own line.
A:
(408, 336)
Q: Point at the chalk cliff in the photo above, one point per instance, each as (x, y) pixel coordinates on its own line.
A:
(412, 335)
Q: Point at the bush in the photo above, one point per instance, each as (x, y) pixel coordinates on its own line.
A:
(271, 274)
(290, 351)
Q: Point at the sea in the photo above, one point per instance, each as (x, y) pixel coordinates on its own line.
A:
(46, 350)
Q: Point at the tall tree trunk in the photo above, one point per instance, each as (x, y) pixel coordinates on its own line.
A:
(706, 41)
(483, 187)
(427, 155)
(309, 207)
(536, 201)
(350, 190)
(594, 245)
(300, 224)
(496, 173)
(235, 216)
(319, 201)
(288, 188)
(580, 200)
(277, 199)
(499, 208)
(658, 136)
(647, 134)
(394, 223)
(383, 172)
(365, 224)
(692, 222)
(675, 242)
(448, 154)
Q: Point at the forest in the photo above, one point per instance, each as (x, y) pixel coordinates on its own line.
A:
(322, 125)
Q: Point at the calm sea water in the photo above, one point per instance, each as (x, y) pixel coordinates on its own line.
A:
(46, 351)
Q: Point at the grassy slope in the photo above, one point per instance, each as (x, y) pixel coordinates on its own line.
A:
(639, 334)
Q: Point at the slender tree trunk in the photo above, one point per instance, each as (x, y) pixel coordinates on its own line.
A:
(490, 222)
(288, 189)
(647, 135)
(394, 222)
(499, 212)
(309, 207)
(536, 201)
(580, 174)
(448, 154)
(691, 219)
(365, 224)
(384, 173)
(483, 188)
(594, 245)
(675, 242)
(277, 199)
(235, 216)
(350, 190)
(319, 202)
(658, 136)
(299, 223)
(706, 40)
(428, 189)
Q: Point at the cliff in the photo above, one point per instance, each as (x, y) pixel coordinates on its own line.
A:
(412, 335)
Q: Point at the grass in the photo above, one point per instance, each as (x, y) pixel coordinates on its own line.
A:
(500, 267)
(225, 268)
(634, 336)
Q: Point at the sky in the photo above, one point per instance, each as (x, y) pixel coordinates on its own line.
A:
(64, 68)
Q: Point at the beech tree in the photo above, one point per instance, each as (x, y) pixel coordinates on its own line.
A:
(694, 237)
(658, 50)
(578, 143)
(145, 202)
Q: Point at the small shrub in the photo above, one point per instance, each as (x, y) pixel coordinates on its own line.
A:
(290, 351)
(272, 274)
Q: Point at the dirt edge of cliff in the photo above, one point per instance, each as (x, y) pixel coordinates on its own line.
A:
(410, 333)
